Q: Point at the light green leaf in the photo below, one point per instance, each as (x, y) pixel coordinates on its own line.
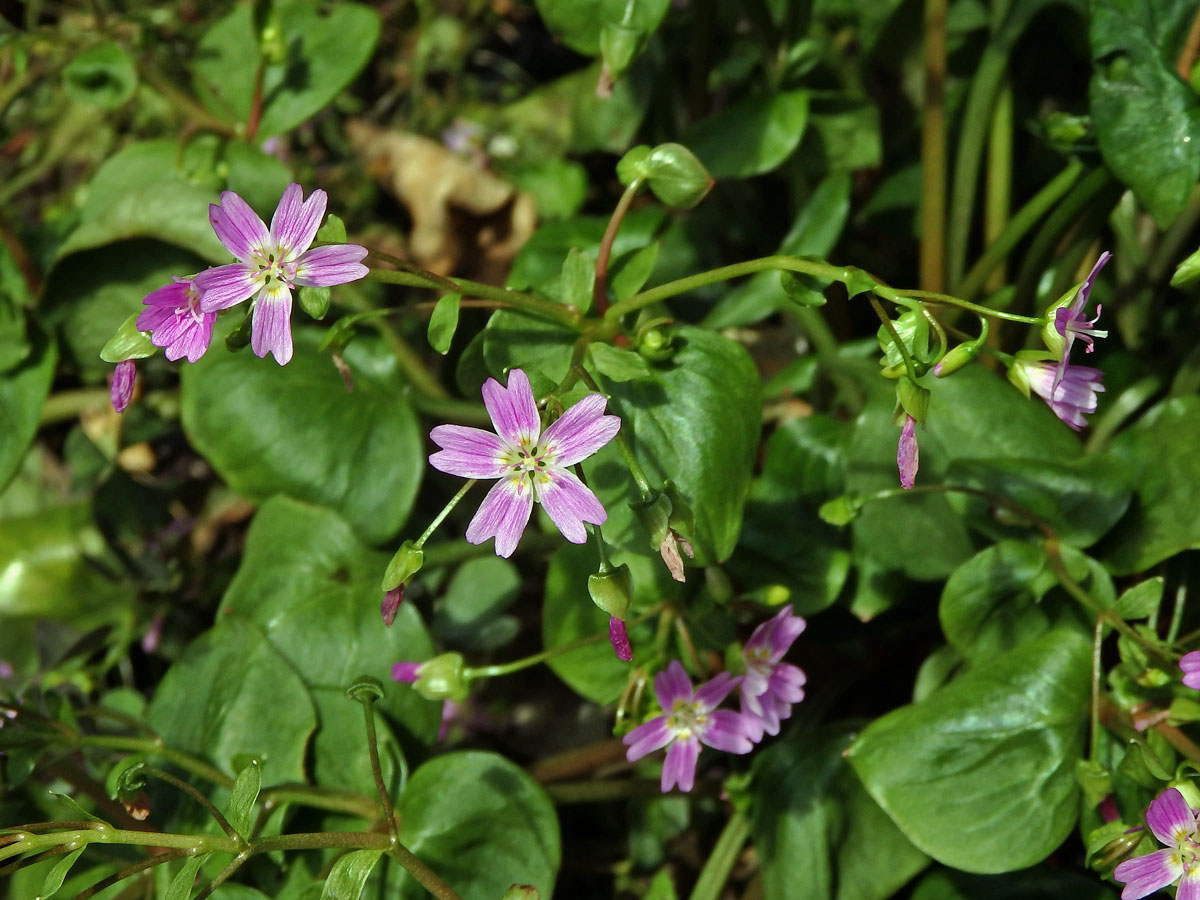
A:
(243, 797)
(580, 22)
(751, 137)
(180, 887)
(629, 273)
(617, 363)
(444, 322)
(23, 390)
(349, 875)
(58, 874)
(103, 76)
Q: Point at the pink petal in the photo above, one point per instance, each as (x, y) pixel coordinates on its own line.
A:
(728, 731)
(1170, 818)
(226, 286)
(1144, 875)
(1189, 886)
(1190, 662)
(169, 296)
(336, 264)
(193, 341)
(513, 410)
(709, 695)
(647, 738)
(295, 223)
(467, 452)
(238, 227)
(271, 330)
(120, 391)
(503, 514)
(569, 503)
(407, 672)
(672, 684)
(787, 682)
(680, 765)
(580, 431)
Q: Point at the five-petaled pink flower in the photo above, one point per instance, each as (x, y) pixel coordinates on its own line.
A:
(273, 262)
(1072, 322)
(176, 321)
(1173, 822)
(770, 687)
(1069, 391)
(530, 464)
(690, 718)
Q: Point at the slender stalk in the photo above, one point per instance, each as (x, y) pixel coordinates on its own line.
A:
(948, 300)
(208, 805)
(155, 747)
(1097, 645)
(1177, 612)
(599, 287)
(933, 150)
(999, 175)
(1025, 218)
(385, 799)
(899, 344)
(441, 516)
(140, 866)
(1191, 46)
(256, 100)
(425, 876)
(720, 862)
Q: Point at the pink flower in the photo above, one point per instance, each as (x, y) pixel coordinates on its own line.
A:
(120, 392)
(531, 464)
(176, 321)
(907, 456)
(690, 718)
(1190, 664)
(1174, 824)
(1070, 392)
(1071, 321)
(273, 262)
(770, 688)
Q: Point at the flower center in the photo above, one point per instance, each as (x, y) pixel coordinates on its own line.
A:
(686, 718)
(274, 264)
(191, 307)
(530, 463)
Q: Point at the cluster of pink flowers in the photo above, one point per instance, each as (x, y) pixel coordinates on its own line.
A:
(272, 262)
(690, 715)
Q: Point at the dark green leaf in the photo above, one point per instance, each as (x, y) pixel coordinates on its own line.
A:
(540, 348)
(1165, 472)
(471, 613)
(1048, 882)
(22, 392)
(324, 50)
(295, 430)
(580, 22)
(500, 832)
(102, 76)
(629, 273)
(617, 363)
(812, 820)
(981, 774)
(444, 322)
(349, 874)
(1141, 600)
(1147, 119)
(752, 136)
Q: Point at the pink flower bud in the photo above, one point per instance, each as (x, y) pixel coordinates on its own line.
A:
(619, 638)
(121, 388)
(391, 604)
(907, 457)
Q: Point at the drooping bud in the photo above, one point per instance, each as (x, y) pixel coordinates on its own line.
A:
(404, 565)
(121, 389)
(619, 638)
(440, 678)
(612, 590)
(907, 457)
(669, 550)
(406, 672)
(391, 605)
(956, 359)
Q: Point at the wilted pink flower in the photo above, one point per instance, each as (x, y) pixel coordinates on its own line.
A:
(273, 262)
(1172, 821)
(619, 638)
(120, 391)
(530, 464)
(690, 718)
(907, 456)
(175, 320)
(1190, 664)
(1073, 397)
(1071, 321)
(770, 687)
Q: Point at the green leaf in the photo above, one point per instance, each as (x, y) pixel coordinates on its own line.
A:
(268, 430)
(311, 589)
(812, 820)
(695, 421)
(1165, 472)
(675, 175)
(593, 670)
(325, 50)
(992, 602)
(617, 363)
(180, 887)
(542, 349)
(752, 136)
(1146, 118)
(315, 301)
(103, 76)
(444, 322)
(630, 273)
(981, 774)
(1048, 882)
(243, 797)
(844, 134)
(471, 612)
(580, 22)
(500, 832)
(128, 343)
(1142, 600)
(814, 232)
(231, 692)
(23, 390)
(58, 874)
(349, 875)
(972, 415)
(578, 280)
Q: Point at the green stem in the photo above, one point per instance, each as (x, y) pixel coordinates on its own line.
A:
(899, 344)
(999, 175)
(1166, 255)
(948, 300)
(208, 805)
(599, 286)
(65, 406)
(197, 843)
(1097, 645)
(441, 517)
(720, 862)
(385, 799)
(153, 747)
(933, 149)
(1041, 203)
(425, 876)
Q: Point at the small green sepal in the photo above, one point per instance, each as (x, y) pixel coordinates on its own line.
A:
(612, 590)
(315, 300)
(405, 564)
(913, 398)
(442, 678)
(128, 343)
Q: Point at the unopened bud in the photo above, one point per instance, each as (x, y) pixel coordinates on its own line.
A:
(956, 359)
(121, 389)
(619, 638)
(440, 678)
(907, 456)
(404, 565)
(391, 605)
(612, 590)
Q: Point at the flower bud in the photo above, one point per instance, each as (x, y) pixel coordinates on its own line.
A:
(391, 604)
(907, 457)
(440, 678)
(404, 565)
(619, 638)
(612, 590)
(956, 359)
(121, 389)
